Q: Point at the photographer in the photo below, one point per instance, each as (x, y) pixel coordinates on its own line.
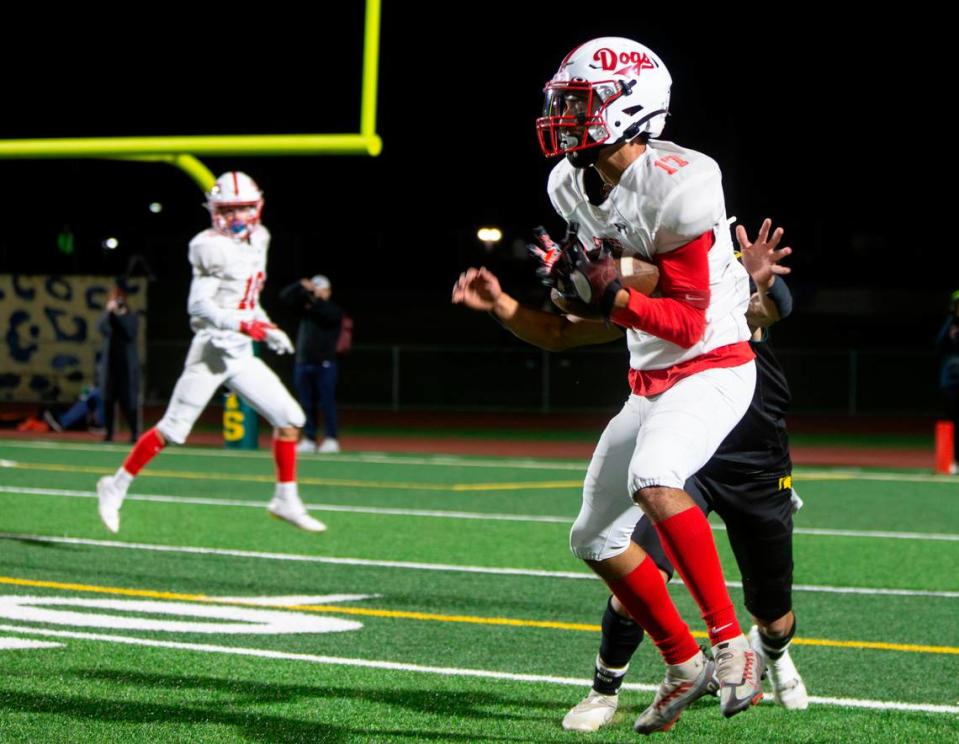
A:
(315, 370)
(121, 363)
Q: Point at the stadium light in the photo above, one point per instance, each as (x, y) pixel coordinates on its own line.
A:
(489, 235)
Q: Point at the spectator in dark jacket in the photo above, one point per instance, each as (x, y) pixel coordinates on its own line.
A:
(947, 344)
(314, 374)
(120, 377)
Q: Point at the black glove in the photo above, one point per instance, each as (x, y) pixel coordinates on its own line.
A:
(555, 267)
(595, 278)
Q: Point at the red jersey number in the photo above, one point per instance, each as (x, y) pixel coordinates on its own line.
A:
(254, 285)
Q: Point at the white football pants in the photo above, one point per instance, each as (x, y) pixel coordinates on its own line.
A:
(656, 441)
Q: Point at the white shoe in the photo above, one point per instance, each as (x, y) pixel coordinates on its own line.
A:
(109, 501)
(329, 446)
(684, 684)
(306, 445)
(788, 688)
(290, 508)
(592, 712)
(740, 670)
(954, 468)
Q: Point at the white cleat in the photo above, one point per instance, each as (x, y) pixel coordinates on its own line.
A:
(306, 446)
(788, 688)
(329, 446)
(740, 670)
(592, 712)
(684, 684)
(109, 501)
(291, 509)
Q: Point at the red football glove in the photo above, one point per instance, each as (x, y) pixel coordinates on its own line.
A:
(255, 329)
(554, 259)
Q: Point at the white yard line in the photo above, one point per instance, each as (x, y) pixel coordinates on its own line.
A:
(421, 669)
(417, 566)
(25, 644)
(481, 516)
(802, 473)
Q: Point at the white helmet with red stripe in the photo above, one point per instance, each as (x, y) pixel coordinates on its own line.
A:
(606, 91)
(235, 203)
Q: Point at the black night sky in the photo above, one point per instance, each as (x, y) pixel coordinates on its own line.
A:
(822, 123)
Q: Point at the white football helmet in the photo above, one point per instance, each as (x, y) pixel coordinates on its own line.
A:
(235, 203)
(606, 91)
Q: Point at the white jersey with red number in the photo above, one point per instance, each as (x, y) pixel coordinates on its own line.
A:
(666, 198)
(228, 276)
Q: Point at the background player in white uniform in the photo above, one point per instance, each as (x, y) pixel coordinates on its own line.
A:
(229, 269)
(691, 368)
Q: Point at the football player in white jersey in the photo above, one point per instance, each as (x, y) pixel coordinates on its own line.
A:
(229, 269)
(691, 373)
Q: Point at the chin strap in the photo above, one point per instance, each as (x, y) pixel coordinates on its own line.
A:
(585, 158)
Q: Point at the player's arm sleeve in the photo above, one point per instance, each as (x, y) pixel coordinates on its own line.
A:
(682, 238)
(207, 265)
(201, 303)
(679, 316)
(779, 293)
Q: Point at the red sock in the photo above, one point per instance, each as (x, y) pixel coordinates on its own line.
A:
(147, 447)
(689, 545)
(284, 454)
(643, 593)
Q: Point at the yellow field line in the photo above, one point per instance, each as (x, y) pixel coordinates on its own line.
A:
(436, 617)
(523, 485)
(306, 481)
(149, 593)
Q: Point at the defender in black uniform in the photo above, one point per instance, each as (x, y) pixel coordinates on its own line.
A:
(748, 482)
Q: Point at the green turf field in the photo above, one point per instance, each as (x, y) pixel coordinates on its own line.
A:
(441, 606)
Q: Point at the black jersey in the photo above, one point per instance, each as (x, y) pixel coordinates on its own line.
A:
(748, 483)
(759, 443)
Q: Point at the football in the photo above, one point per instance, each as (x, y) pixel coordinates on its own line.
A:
(634, 273)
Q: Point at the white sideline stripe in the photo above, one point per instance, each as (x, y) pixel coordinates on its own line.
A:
(302, 558)
(16, 644)
(801, 473)
(161, 498)
(444, 671)
(445, 567)
(865, 590)
(943, 536)
(483, 516)
(841, 474)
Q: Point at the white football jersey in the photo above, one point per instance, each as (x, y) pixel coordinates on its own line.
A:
(228, 276)
(666, 198)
